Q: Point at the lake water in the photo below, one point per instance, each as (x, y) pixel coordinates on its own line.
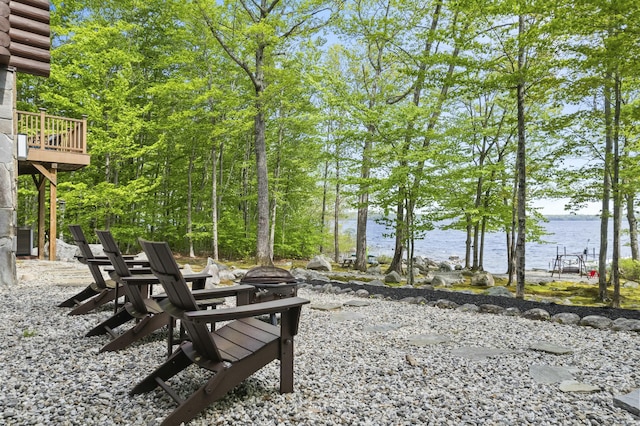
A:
(569, 234)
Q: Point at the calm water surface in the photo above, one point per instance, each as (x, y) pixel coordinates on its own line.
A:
(570, 235)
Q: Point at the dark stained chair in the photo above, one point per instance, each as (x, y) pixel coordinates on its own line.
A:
(98, 283)
(100, 291)
(231, 353)
(140, 306)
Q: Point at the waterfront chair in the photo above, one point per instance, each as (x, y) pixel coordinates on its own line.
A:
(230, 353)
(101, 291)
(98, 283)
(140, 306)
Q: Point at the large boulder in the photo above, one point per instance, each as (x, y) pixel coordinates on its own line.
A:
(319, 263)
(537, 314)
(444, 279)
(226, 275)
(440, 281)
(64, 252)
(483, 279)
(568, 318)
(213, 270)
(374, 270)
(392, 277)
(300, 274)
(596, 321)
(499, 291)
(221, 266)
(423, 264)
(445, 267)
(96, 249)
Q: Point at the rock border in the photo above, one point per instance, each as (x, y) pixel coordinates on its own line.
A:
(600, 318)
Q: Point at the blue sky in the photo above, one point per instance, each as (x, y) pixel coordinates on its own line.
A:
(556, 207)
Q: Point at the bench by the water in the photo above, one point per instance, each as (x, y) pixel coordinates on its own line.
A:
(348, 262)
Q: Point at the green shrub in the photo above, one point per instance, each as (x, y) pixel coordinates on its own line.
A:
(630, 269)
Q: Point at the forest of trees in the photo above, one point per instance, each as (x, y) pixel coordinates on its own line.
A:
(250, 128)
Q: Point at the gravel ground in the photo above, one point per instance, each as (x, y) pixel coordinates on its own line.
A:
(354, 366)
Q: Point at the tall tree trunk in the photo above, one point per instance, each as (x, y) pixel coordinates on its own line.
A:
(336, 212)
(633, 226)
(398, 252)
(483, 227)
(477, 264)
(325, 190)
(468, 242)
(606, 195)
(476, 245)
(264, 256)
(411, 246)
(274, 203)
(617, 196)
(214, 202)
(263, 252)
(521, 168)
(189, 203)
(245, 188)
(363, 203)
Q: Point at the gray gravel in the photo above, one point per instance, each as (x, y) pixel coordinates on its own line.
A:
(364, 369)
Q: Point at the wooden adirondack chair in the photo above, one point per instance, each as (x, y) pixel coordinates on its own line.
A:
(232, 353)
(100, 291)
(145, 310)
(98, 285)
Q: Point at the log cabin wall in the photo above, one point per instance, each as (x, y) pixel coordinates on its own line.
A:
(25, 35)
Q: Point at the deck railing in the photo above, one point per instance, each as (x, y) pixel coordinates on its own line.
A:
(53, 133)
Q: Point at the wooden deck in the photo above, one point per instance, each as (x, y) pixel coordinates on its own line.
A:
(53, 142)
(46, 145)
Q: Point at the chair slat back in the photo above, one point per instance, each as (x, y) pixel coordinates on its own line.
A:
(112, 251)
(81, 241)
(164, 266)
(85, 250)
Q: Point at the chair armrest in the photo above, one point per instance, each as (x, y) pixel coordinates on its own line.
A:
(99, 261)
(136, 262)
(218, 292)
(195, 276)
(142, 279)
(241, 291)
(245, 311)
(140, 271)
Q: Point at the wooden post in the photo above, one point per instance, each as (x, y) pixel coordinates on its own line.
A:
(42, 129)
(41, 205)
(84, 134)
(53, 208)
(52, 176)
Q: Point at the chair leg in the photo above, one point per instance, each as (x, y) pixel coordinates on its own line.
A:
(215, 388)
(105, 296)
(145, 327)
(85, 294)
(114, 321)
(286, 366)
(172, 366)
(223, 380)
